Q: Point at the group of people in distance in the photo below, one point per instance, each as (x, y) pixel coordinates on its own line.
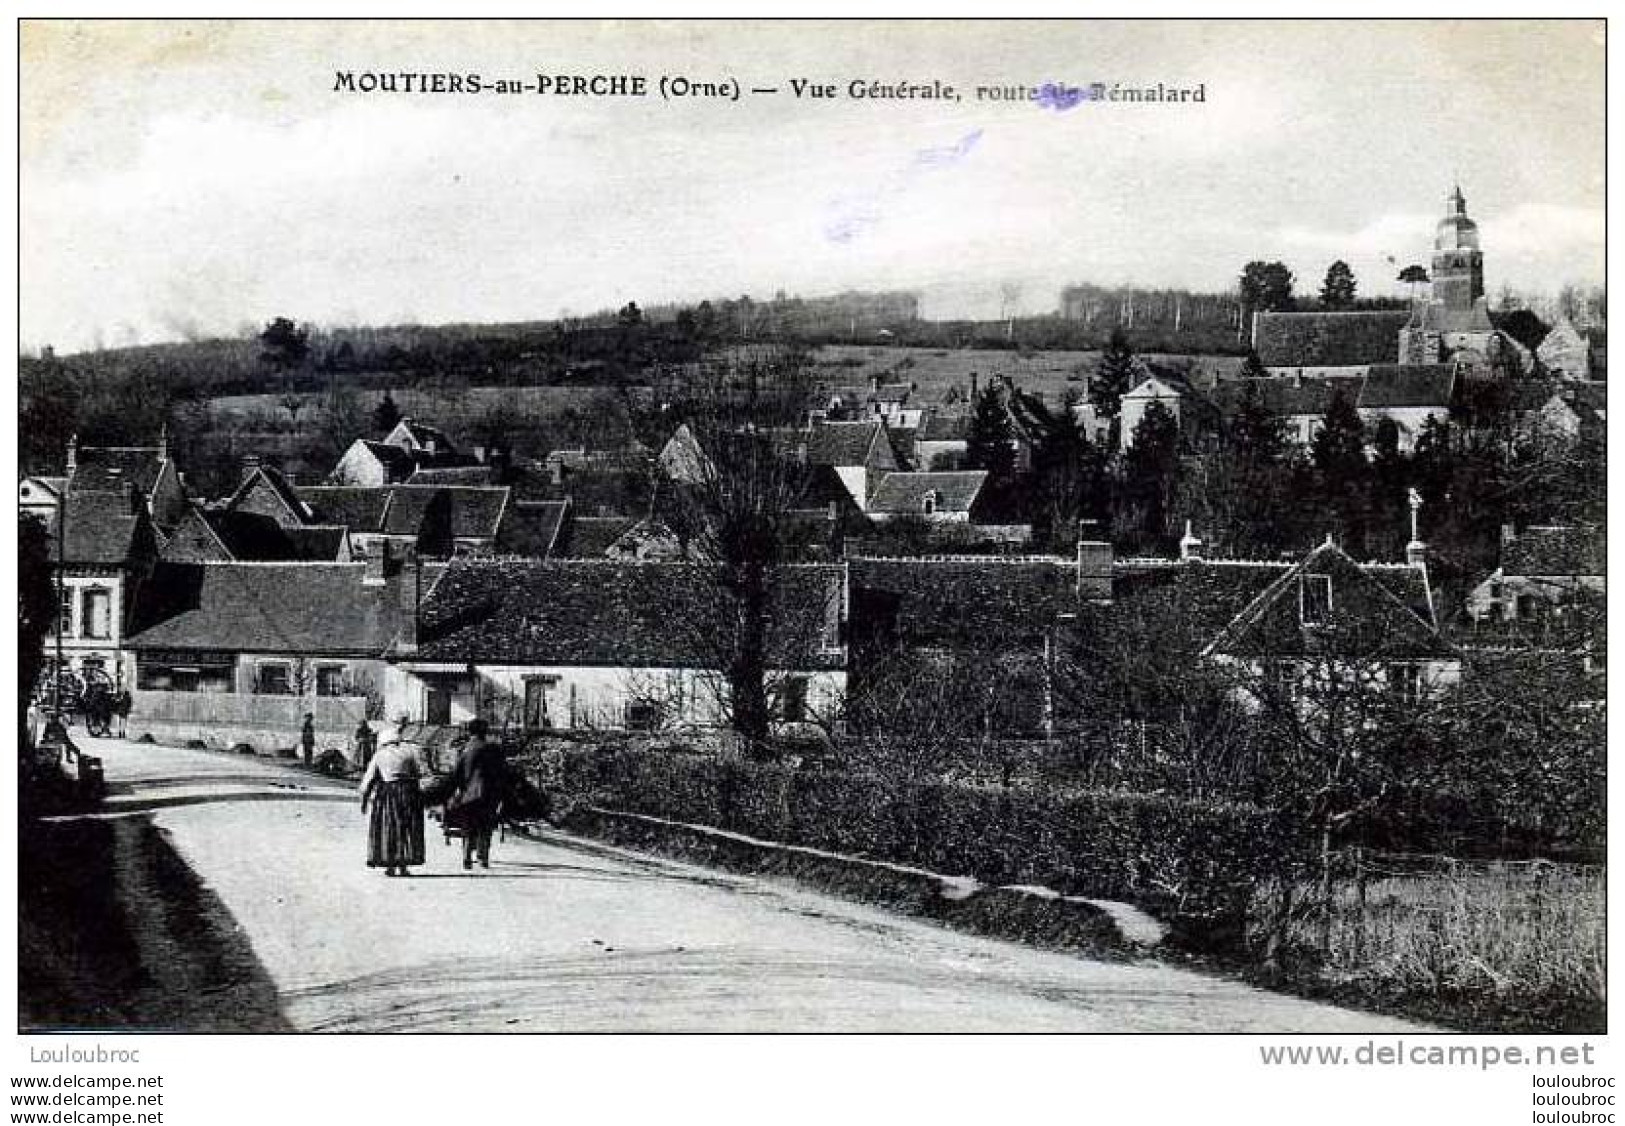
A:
(393, 793)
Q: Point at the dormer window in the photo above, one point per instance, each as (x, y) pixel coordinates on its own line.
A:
(929, 504)
(1314, 599)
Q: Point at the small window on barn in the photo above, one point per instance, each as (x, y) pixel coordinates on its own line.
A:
(329, 680)
(1314, 599)
(273, 680)
(642, 715)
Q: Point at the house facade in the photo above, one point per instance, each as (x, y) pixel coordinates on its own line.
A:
(104, 548)
(1330, 624)
(598, 644)
(1544, 571)
(237, 653)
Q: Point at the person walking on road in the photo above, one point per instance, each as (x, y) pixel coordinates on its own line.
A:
(307, 738)
(389, 789)
(479, 783)
(364, 744)
(121, 709)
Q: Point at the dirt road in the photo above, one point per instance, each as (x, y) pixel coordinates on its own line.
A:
(564, 934)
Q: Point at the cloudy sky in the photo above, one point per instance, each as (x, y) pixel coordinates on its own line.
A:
(182, 179)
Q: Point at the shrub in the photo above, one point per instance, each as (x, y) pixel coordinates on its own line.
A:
(243, 749)
(332, 763)
(1181, 858)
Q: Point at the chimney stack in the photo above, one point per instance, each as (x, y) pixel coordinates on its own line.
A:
(1094, 570)
(1190, 547)
(377, 565)
(410, 580)
(1509, 533)
(73, 453)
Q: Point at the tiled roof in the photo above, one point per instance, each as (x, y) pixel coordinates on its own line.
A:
(396, 460)
(1408, 385)
(295, 608)
(1556, 551)
(943, 426)
(1286, 396)
(425, 433)
(532, 528)
(399, 510)
(101, 468)
(270, 477)
(635, 615)
(1328, 339)
(907, 492)
(843, 443)
(250, 536)
(101, 528)
(1203, 596)
(318, 543)
(241, 536)
(475, 511)
(1370, 615)
(357, 507)
(590, 537)
(451, 475)
(989, 603)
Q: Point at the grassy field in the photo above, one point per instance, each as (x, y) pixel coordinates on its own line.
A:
(453, 406)
(1486, 946)
(935, 370)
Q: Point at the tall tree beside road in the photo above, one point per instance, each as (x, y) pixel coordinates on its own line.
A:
(732, 506)
(36, 604)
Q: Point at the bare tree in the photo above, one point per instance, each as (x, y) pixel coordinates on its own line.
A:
(731, 504)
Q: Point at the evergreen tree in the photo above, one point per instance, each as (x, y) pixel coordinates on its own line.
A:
(1067, 472)
(1390, 481)
(1337, 291)
(1150, 478)
(1256, 435)
(1342, 471)
(1115, 373)
(988, 444)
(1433, 461)
(386, 415)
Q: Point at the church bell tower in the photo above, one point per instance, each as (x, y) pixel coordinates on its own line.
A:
(1458, 264)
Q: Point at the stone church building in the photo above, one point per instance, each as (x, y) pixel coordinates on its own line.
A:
(1450, 326)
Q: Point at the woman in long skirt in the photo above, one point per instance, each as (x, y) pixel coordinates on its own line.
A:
(390, 789)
